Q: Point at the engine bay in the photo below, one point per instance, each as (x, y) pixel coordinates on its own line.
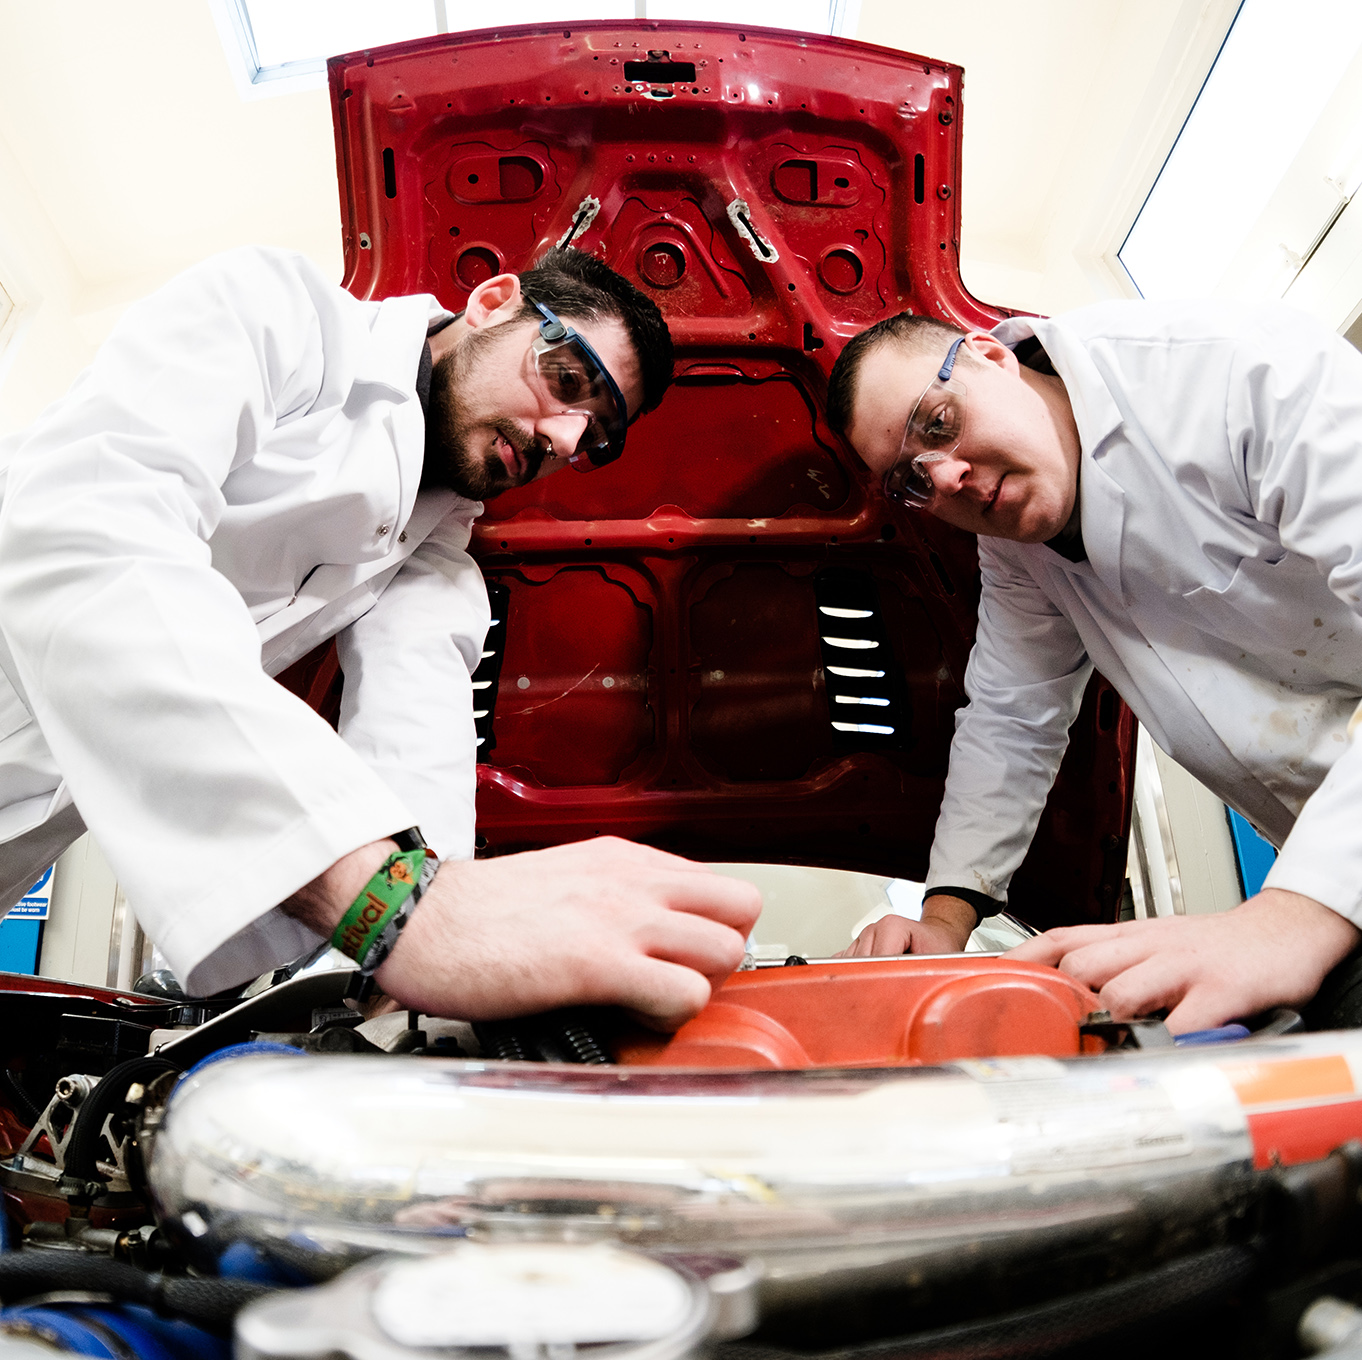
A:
(834, 1157)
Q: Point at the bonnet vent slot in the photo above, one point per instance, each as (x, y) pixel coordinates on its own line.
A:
(867, 699)
(488, 673)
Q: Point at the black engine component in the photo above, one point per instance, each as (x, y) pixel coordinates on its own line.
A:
(209, 1303)
(1072, 1324)
(573, 1035)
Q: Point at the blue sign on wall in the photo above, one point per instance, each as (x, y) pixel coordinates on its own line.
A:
(21, 929)
(35, 904)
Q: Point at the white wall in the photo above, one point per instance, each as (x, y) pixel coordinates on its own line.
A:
(127, 154)
(1069, 109)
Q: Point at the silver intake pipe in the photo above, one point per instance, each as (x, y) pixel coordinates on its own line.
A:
(841, 1182)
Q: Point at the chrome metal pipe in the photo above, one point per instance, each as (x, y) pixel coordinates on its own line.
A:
(838, 1180)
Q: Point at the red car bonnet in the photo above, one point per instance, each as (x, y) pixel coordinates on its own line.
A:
(664, 664)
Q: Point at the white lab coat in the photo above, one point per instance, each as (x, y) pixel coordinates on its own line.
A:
(231, 482)
(1221, 507)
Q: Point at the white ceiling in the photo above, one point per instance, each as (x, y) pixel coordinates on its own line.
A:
(126, 152)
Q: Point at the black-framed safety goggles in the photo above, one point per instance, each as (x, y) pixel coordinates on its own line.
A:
(569, 374)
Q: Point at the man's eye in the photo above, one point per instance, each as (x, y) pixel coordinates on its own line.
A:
(941, 427)
(568, 380)
(566, 383)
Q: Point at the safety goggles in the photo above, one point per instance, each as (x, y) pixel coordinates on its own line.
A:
(569, 374)
(933, 432)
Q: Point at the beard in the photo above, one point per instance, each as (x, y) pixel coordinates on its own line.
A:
(459, 454)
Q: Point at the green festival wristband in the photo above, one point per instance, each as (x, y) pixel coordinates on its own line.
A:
(383, 897)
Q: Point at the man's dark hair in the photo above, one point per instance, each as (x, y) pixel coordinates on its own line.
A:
(579, 287)
(917, 334)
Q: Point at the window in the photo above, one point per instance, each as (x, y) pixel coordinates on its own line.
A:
(275, 46)
(1222, 218)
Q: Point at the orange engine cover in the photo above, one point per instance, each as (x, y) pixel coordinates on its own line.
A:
(877, 1013)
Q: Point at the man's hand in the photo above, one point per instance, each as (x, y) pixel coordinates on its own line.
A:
(944, 929)
(599, 922)
(1272, 950)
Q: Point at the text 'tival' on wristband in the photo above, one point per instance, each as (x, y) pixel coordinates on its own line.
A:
(370, 927)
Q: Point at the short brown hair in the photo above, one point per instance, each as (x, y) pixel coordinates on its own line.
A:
(917, 334)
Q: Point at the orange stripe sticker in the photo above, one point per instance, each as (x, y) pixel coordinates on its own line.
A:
(1273, 1083)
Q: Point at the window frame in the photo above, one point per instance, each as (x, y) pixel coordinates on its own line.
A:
(254, 81)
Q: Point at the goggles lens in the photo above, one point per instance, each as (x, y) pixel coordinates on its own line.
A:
(570, 375)
(932, 433)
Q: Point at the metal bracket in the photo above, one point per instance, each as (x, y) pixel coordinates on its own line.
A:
(581, 219)
(58, 1120)
(741, 217)
(1147, 1032)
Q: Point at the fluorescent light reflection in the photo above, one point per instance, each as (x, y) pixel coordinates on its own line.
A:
(861, 699)
(855, 673)
(864, 727)
(852, 644)
(836, 613)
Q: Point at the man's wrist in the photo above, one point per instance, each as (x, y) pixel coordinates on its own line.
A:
(952, 913)
(983, 904)
(320, 904)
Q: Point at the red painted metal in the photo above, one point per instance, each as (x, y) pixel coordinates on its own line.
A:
(662, 677)
(886, 1013)
(50, 988)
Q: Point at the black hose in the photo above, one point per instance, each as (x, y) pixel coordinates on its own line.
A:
(82, 1152)
(1059, 1325)
(28, 1108)
(208, 1303)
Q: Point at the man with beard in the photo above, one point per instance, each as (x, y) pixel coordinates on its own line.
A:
(256, 461)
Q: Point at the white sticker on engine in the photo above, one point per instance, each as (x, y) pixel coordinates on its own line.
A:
(1011, 1069)
(1086, 1120)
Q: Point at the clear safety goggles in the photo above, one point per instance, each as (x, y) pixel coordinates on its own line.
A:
(932, 433)
(569, 374)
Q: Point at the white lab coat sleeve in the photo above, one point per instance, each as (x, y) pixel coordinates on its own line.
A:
(407, 703)
(1295, 416)
(214, 793)
(1025, 682)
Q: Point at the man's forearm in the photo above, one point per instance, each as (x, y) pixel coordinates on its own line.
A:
(319, 905)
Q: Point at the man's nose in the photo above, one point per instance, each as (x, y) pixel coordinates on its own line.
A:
(563, 431)
(948, 474)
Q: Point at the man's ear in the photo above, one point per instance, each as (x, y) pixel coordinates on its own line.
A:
(493, 301)
(987, 348)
